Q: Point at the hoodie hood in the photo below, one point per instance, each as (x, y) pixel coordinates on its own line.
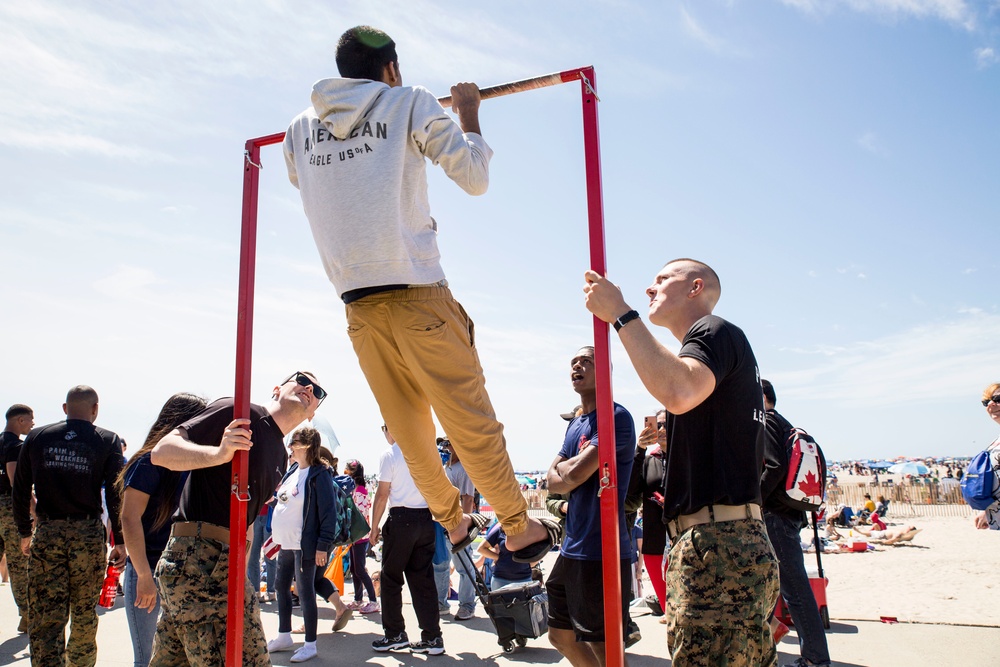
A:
(342, 103)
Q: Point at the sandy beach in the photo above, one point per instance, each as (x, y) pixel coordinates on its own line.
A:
(938, 587)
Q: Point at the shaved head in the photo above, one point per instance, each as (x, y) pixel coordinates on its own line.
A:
(692, 269)
(81, 403)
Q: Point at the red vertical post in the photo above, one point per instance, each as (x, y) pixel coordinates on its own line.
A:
(239, 495)
(614, 641)
(241, 406)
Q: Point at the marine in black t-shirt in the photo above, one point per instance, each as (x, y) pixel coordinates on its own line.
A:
(68, 463)
(193, 570)
(722, 575)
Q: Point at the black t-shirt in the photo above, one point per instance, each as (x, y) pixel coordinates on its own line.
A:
(206, 494)
(68, 463)
(715, 451)
(10, 447)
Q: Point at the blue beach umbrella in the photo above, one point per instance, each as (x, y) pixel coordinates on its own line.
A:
(908, 468)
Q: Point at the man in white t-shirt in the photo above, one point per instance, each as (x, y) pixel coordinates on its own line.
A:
(408, 548)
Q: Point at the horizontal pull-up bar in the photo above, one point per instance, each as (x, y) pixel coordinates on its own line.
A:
(533, 83)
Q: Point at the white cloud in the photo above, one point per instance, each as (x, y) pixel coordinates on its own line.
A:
(873, 144)
(923, 363)
(94, 79)
(695, 30)
(986, 57)
(957, 12)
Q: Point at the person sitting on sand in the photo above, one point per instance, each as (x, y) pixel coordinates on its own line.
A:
(866, 509)
(891, 536)
(831, 532)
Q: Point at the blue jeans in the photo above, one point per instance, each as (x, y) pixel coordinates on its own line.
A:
(141, 623)
(260, 535)
(291, 565)
(499, 582)
(466, 589)
(795, 588)
(359, 573)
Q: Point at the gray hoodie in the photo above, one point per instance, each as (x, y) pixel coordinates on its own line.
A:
(357, 158)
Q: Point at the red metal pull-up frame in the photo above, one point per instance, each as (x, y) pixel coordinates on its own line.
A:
(615, 646)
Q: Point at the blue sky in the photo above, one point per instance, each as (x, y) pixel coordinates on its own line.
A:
(835, 161)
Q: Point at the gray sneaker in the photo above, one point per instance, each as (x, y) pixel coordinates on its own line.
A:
(464, 614)
(433, 647)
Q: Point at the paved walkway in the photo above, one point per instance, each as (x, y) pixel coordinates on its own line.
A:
(853, 643)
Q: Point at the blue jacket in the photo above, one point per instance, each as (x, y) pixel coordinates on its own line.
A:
(319, 517)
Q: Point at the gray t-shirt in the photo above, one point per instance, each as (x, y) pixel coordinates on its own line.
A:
(460, 479)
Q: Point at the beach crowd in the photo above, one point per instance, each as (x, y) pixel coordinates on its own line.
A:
(707, 470)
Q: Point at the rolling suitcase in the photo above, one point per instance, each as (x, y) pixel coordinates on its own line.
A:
(519, 612)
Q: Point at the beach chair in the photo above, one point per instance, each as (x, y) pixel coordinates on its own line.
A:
(846, 517)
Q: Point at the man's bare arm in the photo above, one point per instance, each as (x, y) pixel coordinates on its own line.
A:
(378, 509)
(175, 452)
(680, 384)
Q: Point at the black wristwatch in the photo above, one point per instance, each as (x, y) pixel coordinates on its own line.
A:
(625, 319)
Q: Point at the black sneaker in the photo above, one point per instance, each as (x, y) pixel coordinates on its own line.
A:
(634, 636)
(432, 647)
(383, 644)
(295, 601)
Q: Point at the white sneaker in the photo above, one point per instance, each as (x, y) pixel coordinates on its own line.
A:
(307, 652)
(283, 642)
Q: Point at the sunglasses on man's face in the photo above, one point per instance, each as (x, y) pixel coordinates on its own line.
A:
(993, 399)
(305, 381)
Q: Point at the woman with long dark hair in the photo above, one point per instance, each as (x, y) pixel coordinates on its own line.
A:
(304, 523)
(150, 494)
(359, 550)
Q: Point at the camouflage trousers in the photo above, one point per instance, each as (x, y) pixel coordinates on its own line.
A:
(193, 579)
(65, 575)
(17, 562)
(722, 583)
